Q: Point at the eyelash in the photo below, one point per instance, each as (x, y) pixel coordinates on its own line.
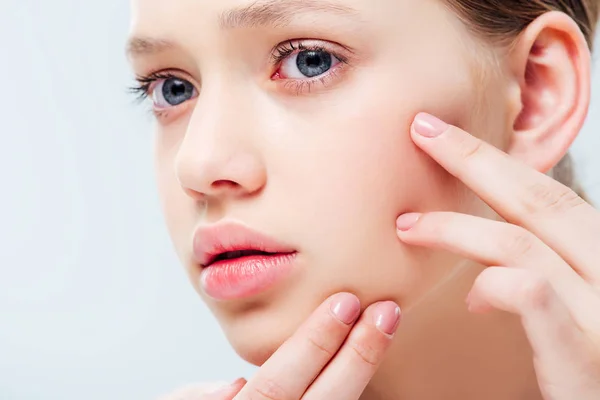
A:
(143, 87)
(286, 49)
(300, 86)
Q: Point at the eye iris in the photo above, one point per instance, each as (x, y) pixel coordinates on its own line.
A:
(313, 63)
(177, 91)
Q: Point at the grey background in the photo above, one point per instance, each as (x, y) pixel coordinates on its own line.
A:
(93, 302)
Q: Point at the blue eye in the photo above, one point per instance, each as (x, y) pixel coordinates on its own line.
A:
(314, 63)
(172, 91)
(308, 64)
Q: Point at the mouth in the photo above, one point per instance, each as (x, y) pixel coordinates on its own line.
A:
(236, 262)
(239, 254)
(226, 242)
(245, 273)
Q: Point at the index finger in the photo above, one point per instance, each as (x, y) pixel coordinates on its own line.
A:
(296, 364)
(518, 193)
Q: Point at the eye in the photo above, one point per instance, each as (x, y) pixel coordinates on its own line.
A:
(172, 91)
(308, 64)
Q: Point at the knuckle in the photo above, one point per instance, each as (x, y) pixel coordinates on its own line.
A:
(551, 196)
(469, 147)
(317, 339)
(536, 293)
(366, 353)
(517, 243)
(268, 389)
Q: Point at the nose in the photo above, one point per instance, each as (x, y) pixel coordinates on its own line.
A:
(219, 156)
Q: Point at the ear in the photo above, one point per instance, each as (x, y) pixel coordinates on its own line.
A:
(550, 63)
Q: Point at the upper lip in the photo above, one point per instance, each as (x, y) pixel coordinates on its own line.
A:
(211, 241)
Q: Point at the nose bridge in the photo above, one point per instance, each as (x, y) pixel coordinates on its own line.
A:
(221, 100)
(219, 154)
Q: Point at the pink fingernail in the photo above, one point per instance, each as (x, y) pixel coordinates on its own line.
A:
(387, 317)
(429, 126)
(407, 221)
(468, 299)
(345, 307)
(239, 381)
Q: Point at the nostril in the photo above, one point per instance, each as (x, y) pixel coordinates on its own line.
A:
(217, 188)
(225, 184)
(194, 194)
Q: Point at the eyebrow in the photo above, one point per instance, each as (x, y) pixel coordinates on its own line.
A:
(260, 13)
(279, 13)
(139, 46)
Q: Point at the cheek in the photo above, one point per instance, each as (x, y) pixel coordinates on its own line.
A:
(177, 207)
(354, 175)
(179, 211)
(358, 163)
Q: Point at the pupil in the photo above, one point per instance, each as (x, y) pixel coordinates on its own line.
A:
(177, 91)
(313, 63)
(313, 60)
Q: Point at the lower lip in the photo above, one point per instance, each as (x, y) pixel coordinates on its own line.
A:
(245, 276)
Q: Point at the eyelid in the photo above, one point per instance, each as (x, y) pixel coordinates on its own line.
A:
(147, 84)
(301, 86)
(343, 53)
(150, 79)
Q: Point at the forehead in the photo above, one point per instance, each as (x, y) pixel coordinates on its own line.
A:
(207, 11)
(159, 24)
(195, 25)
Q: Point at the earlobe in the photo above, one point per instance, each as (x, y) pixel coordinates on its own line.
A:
(552, 68)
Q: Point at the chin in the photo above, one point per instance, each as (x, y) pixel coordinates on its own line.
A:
(255, 350)
(256, 331)
(255, 336)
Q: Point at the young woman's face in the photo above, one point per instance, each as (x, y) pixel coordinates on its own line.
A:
(291, 117)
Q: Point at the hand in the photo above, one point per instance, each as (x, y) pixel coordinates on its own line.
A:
(333, 355)
(544, 262)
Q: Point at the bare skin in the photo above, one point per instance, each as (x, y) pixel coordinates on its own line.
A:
(528, 275)
(327, 163)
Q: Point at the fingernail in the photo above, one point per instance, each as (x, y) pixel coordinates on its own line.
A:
(387, 317)
(429, 126)
(407, 221)
(239, 381)
(345, 307)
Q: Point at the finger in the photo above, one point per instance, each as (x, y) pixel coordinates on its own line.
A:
(518, 193)
(348, 374)
(497, 243)
(295, 365)
(228, 392)
(562, 351)
(207, 391)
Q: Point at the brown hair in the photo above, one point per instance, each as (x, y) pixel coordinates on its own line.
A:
(502, 20)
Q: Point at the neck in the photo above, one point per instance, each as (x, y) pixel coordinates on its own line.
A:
(441, 351)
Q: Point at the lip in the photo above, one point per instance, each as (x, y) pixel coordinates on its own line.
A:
(245, 276)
